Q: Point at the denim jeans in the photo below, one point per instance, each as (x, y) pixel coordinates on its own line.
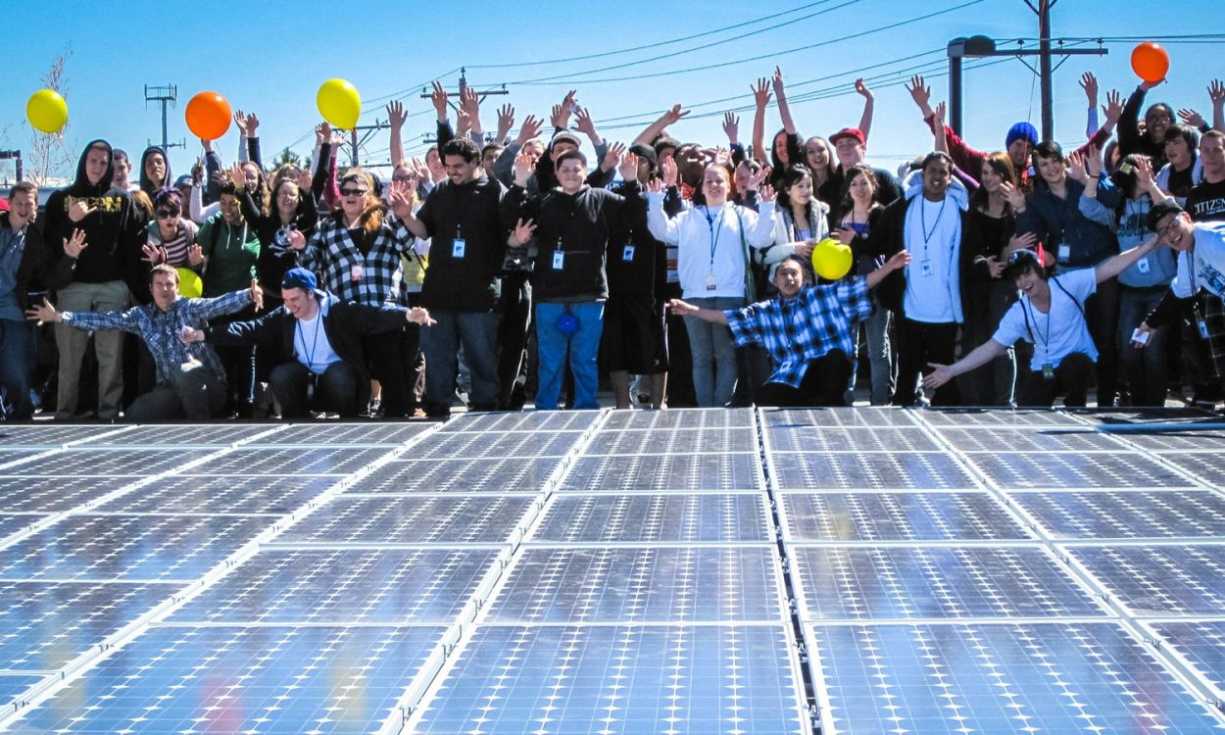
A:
(1144, 369)
(583, 347)
(17, 358)
(880, 358)
(478, 332)
(714, 354)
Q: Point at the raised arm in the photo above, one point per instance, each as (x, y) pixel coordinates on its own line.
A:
(395, 121)
(761, 99)
(662, 227)
(1216, 93)
(655, 129)
(1113, 266)
(869, 108)
(784, 109)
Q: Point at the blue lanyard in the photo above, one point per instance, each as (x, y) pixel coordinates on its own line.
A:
(715, 231)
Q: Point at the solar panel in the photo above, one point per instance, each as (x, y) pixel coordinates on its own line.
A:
(1021, 439)
(465, 445)
(45, 625)
(251, 680)
(897, 517)
(878, 416)
(975, 417)
(523, 421)
(11, 523)
(392, 520)
(1160, 580)
(681, 418)
(515, 474)
(672, 441)
(844, 583)
(128, 547)
(1056, 678)
(845, 471)
(102, 462)
(857, 439)
(1134, 514)
(41, 435)
(227, 494)
(635, 679)
(178, 435)
(54, 494)
(1178, 441)
(1209, 468)
(283, 462)
(390, 433)
(641, 473)
(1203, 644)
(668, 585)
(649, 518)
(339, 586)
(15, 455)
(12, 686)
(1020, 471)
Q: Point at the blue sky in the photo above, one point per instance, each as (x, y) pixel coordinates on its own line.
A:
(270, 58)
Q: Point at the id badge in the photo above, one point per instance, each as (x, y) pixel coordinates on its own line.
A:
(1203, 328)
(559, 260)
(458, 248)
(1142, 265)
(1048, 371)
(1139, 336)
(628, 253)
(1065, 252)
(925, 268)
(356, 272)
(711, 283)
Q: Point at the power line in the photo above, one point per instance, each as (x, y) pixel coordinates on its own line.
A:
(644, 47)
(562, 77)
(774, 54)
(410, 90)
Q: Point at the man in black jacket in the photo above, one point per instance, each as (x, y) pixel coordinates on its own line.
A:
(929, 221)
(572, 228)
(467, 241)
(318, 339)
(21, 264)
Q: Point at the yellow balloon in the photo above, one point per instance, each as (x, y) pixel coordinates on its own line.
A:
(831, 259)
(190, 284)
(47, 111)
(339, 103)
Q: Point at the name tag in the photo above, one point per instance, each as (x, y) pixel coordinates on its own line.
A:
(1202, 326)
(1142, 265)
(1139, 336)
(1065, 252)
(458, 248)
(926, 269)
(559, 260)
(628, 253)
(711, 283)
(356, 272)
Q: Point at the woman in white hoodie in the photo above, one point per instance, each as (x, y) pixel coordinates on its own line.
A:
(714, 241)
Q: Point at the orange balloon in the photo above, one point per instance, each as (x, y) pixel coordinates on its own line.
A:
(208, 115)
(1150, 62)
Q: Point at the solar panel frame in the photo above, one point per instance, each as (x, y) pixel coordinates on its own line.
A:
(729, 518)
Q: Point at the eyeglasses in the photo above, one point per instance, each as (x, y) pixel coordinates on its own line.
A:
(167, 214)
(1167, 230)
(353, 192)
(401, 177)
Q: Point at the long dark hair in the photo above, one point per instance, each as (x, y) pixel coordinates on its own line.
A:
(860, 169)
(1001, 164)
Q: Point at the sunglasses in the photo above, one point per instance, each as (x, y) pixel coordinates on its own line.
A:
(167, 213)
(353, 192)
(1016, 256)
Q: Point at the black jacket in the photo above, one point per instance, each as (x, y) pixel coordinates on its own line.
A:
(275, 257)
(30, 271)
(345, 324)
(115, 232)
(636, 276)
(888, 236)
(469, 212)
(581, 225)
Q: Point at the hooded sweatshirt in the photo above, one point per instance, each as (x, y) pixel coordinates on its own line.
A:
(146, 184)
(113, 231)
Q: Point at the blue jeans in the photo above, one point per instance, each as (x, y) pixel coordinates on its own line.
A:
(478, 332)
(1144, 369)
(584, 349)
(714, 354)
(16, 365)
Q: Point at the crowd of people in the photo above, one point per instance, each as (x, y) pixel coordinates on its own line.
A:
(517, 266)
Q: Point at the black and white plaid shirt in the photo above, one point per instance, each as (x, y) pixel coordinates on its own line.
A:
(375, 277)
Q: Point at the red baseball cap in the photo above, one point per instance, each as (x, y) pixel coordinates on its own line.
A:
(855, 133)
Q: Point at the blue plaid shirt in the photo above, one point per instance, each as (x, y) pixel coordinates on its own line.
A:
(803, 328)
(160, 329)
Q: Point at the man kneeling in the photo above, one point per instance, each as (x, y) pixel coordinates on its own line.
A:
(190, 378)
(1050, 315)
(317, 344)
(808, 331)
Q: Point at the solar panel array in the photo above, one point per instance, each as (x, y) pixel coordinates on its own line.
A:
(685, 571)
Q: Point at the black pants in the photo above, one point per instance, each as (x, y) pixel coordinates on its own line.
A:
(338, 390)
(1072, 379)
(391, 358)
(1102, 313)
(824, 384)
(679, 357)
(514, 321)
(918, 344)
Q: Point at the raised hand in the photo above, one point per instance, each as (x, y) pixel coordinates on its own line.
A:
(238, 177)
(252, 125)
(613, 157)
(583, 122)
(323, 134)
(75, 244)
(197, 171)
(939, 112)
(1013, 195)
(1076, 167)
(506, 121)
(1190, 117)
(463, 122)
(763, 174)
(439, 99)
(1216, 92)
(395, 114)
(305, 180)
(297, 240)
(257, 295)
(240, 122)
(43, 313)
(470, 102)
(1093, 161)
(655, 185)
(777, 83)
(567, 107)
(523, 232)
(154, 254)
(1144, 173)
(668, 169)
(674, 114)
(629, 166)
(531, 129)
(862, 89)
(524, 165)
(761, 93)
(920, 93)
(1020, 241)
(731, 127)
(765, 192)
(1088, 83)
(79, 210)
(1113, 109)
(195, 256)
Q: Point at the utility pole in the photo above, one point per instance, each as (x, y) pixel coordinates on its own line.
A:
(367, 130)
(15, 155)
(165, 95)
(982, 46)
(463, 86)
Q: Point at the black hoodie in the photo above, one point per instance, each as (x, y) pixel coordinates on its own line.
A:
(113, 231)
(146, 184)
